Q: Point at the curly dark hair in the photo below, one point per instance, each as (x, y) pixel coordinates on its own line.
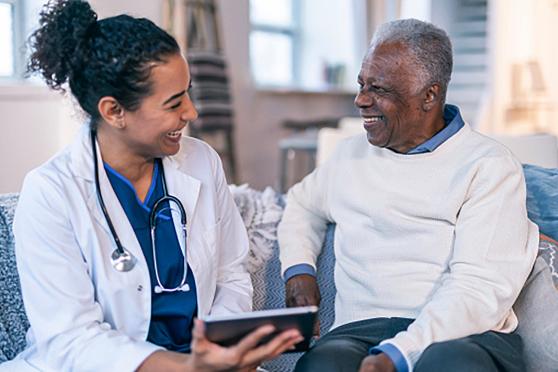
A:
(110, 57)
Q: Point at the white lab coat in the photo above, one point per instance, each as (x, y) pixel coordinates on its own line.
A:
(85, 315)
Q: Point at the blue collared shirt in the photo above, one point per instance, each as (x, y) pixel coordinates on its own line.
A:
(454, 122)
(171, 313)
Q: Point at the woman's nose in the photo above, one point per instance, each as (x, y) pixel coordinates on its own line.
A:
(190, 113)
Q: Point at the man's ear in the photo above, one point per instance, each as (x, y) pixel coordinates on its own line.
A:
(432, 97)
(112, 112)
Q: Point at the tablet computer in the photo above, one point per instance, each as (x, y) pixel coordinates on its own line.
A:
(227, 330)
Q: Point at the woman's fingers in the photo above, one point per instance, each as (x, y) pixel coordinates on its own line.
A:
(250, 341)
(273, 348)
(199, 342)
(246, 353)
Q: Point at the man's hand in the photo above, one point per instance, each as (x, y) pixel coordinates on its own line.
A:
(377, 363)
(302, 290)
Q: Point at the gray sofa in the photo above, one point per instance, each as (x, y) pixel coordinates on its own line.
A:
(261, 213)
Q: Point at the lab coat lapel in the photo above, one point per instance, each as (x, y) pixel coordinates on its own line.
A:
(187, 189)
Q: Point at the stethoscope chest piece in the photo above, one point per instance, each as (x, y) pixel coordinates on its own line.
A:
(122, 261)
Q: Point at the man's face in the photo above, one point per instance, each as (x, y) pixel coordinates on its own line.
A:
(390, 98)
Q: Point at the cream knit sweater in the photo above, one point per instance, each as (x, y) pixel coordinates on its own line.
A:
(440, 237)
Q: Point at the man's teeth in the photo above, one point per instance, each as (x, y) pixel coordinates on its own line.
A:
(175, 134)
(373, 119)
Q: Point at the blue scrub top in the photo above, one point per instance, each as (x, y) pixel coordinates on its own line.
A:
(172, 313)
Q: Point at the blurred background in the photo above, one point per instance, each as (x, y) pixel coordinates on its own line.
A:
(268, 75)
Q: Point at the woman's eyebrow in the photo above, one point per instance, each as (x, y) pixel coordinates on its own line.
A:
(175, 96)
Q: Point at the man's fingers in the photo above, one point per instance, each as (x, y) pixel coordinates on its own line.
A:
(317, 327)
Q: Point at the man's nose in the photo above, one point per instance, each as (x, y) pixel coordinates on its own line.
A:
(364, 99)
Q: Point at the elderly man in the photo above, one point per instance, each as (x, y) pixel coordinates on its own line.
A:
(432, 239)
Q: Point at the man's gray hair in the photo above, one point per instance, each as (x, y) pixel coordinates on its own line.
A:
(429, 47)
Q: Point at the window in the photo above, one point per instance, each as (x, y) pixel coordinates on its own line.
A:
(8, 38)
(272, 41)
(302, 44)
(18, 18)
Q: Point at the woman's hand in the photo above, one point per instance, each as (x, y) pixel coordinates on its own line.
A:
(246, 355)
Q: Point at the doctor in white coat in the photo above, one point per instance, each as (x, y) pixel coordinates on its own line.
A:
(89, 280)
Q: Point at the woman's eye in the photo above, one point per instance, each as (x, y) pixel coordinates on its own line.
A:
(174, 107)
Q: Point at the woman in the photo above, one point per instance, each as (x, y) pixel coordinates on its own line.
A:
(126, 236)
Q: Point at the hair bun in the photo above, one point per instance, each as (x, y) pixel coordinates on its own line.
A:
(58, 45)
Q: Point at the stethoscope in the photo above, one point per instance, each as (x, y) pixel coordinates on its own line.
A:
(122, 260)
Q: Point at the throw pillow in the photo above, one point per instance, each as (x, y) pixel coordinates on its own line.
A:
(542, 198)
(261, 212)
(548, 250)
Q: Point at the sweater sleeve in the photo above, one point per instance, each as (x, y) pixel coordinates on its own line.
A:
(304, 223)
(495, 246)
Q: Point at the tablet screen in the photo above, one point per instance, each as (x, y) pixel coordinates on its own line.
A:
(227, 330)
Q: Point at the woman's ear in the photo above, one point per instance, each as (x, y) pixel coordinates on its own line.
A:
(112, 112)
(431, 97)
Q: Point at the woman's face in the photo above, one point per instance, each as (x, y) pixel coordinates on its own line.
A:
(155, 128)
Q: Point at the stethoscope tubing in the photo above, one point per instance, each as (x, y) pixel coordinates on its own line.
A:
(119, 247)
(124, 260)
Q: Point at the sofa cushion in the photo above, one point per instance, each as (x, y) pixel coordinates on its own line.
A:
(537, 311)
(13, 321)
(542, 198)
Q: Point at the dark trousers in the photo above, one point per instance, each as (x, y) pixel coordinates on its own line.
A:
(343, 349)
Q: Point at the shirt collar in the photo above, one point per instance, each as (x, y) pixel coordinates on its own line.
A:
(454, 122)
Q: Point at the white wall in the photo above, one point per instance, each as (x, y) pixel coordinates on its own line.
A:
(35, 123)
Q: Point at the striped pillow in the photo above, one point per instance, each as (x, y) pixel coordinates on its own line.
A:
(548, 250)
